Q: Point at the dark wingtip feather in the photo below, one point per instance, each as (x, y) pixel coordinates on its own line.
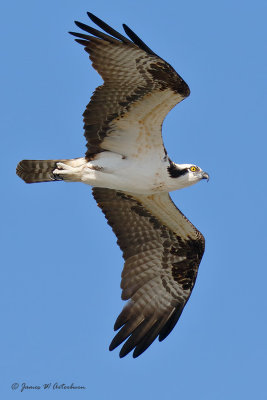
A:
(136, 39)
(82, 42)
(123, 317)
(111, 346)
(113, 33)
(81, 25)
(80, 35)
(166, 330)
(93, 17)
(72, 33)
(148, 338)
(136, 337)
(103, 25)
(122, 335)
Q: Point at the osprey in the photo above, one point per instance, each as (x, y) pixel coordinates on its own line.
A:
(131, 174)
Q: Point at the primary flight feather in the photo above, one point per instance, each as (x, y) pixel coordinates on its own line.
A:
(131, 174)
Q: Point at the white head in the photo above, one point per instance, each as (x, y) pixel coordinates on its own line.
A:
(183, 175)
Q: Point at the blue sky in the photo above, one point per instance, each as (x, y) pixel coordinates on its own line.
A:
(60, 279)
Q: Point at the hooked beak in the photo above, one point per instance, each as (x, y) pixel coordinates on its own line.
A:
(205, 176)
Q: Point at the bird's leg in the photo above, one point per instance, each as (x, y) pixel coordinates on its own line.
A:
(67, 172)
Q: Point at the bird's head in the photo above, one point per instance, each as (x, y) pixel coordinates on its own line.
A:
(186, 174)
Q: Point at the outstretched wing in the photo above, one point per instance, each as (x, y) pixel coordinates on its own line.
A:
(125, 114)
(162, 252)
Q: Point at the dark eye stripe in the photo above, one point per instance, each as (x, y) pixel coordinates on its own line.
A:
(175, 172)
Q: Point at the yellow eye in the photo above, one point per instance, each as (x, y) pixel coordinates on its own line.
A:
(193, 169)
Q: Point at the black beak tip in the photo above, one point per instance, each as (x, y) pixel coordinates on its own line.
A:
(205, 175)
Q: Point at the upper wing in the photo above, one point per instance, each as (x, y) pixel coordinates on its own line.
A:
(162, 252)
(139, 90)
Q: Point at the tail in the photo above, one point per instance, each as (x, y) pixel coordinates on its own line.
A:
(32, 171)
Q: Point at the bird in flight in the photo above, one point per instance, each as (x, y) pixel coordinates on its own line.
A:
(128, 167)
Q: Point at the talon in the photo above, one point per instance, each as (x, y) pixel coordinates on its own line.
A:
(61, 165)
(57, 177)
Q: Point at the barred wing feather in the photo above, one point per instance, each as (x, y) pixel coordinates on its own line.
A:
(162, 252)
(139, 90)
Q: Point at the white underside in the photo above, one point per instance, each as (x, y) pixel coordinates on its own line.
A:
(133, 157)
(114, 171)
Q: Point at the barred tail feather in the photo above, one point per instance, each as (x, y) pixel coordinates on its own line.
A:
(32, 171)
